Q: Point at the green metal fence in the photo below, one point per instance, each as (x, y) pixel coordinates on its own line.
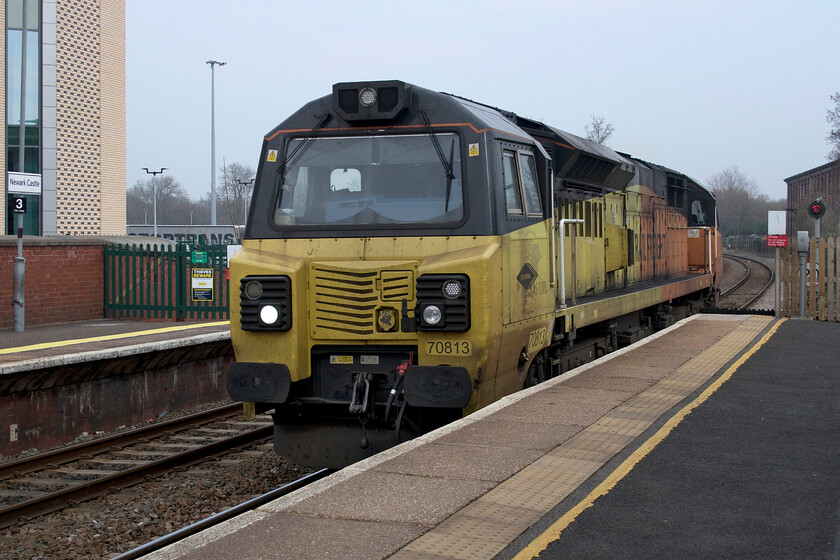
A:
(166, 282)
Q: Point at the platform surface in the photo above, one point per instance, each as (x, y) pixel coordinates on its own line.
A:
(48, 345)
(650, 447)
(753, 472)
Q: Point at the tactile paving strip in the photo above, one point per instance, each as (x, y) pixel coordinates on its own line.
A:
(489, 524)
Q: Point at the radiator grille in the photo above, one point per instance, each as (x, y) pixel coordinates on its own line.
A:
(346, 299)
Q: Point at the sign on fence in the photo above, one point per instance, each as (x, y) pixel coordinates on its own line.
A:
(202, 284)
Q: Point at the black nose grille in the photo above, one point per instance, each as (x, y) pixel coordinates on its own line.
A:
(273, 290)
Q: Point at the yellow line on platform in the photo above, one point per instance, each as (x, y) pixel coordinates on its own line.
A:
(119, 336)
(539, 544)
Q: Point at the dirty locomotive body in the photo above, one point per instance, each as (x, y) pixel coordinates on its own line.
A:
(412, 257)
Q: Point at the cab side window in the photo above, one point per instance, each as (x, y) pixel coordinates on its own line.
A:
(699, 212)
(530, 184)
(513, 194)
(522, 193)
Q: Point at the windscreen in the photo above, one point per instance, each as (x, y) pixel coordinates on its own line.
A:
(372, 180)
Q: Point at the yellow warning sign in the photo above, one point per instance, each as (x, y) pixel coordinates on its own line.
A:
(473, 150)
(272, 156)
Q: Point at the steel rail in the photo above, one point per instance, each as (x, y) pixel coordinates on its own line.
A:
(740, 282)
(218, 518)
(769, 283)
(93, 488)
(100, 445)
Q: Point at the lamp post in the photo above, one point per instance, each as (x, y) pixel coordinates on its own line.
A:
(154, 175)
(213, 64)
(245, 201)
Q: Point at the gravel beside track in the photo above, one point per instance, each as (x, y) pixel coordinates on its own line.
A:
(122, 520)
(732, 273)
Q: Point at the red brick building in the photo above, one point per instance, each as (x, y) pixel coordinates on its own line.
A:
(805, 187)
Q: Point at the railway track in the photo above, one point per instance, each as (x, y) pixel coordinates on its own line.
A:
(46, 482)
(742, 293)
(205, 524)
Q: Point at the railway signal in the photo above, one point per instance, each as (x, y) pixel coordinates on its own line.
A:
(816, 209)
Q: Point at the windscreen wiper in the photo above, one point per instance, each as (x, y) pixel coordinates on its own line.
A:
(447, 164)
(288, 158)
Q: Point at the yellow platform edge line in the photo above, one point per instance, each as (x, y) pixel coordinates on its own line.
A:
(132, 334)
(552, 534)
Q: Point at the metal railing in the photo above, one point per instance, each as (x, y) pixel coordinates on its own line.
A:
(171, 282)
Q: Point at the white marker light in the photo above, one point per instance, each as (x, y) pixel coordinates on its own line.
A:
(269, 314)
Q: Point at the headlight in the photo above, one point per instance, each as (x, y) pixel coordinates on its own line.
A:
(269, 314)
(432, 314)
(443, 302)
(265, 303)
(367, 97)
(451, 289)
(253, 290)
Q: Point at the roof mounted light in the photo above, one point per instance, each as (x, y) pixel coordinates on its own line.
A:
(367, 97)
(370, 101)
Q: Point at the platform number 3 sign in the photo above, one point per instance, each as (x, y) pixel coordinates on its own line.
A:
(19, 205)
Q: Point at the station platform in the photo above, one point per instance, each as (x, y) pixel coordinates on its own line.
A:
(714, 438)
(50, 345)
(59, 383)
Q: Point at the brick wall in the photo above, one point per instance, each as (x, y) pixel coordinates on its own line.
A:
(63, 280)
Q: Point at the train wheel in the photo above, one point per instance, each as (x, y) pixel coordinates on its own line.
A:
(537, 373)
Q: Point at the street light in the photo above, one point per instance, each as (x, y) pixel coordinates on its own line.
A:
(154, 175)
(245, 201)
(213, 64)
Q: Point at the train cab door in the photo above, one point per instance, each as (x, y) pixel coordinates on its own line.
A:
(702, 242)
(526, 245)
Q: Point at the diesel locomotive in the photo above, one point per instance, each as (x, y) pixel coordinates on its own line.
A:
(413, 256)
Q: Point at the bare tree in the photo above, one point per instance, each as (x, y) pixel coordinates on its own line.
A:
(739, 202)
(136, 209)
(236, 194)
(172, 201)
(833, 118)
(598, 130)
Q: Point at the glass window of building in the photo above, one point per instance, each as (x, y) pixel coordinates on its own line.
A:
(23, 104)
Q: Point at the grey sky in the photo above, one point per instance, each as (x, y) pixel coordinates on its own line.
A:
(694, 85)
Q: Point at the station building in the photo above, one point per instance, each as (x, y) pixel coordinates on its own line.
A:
(805, 187)
(64, 107)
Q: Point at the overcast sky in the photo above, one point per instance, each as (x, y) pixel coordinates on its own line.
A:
(694, 85)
